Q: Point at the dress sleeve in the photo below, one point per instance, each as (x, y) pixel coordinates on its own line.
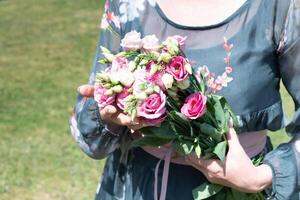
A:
(285, 160)
(94, 137)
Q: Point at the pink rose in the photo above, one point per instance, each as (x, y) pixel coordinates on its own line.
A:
(150, 43)
(119, 64)
(132, 41)
(194, 106)
(177, 69)
(121, 98)
(181, 40)
(153, 107)
(101, 98)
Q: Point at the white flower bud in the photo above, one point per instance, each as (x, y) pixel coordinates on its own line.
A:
(188, 68)
(149, 90)
(126, 79)
(117, 88)
(109, 56)
(105, 50)
(167, 80)
(141, 95)
(156, 88)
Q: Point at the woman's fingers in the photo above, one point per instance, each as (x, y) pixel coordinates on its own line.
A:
(111, 114)
(107, 112)
(86, 90)
(210, 164)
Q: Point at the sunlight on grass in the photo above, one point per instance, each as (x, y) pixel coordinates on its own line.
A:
(46, 49)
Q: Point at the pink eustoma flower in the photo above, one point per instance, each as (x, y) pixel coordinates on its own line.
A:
(119, 64)
(181, 40)
(101, 98)
(177, 69)
(153, 107)
(194, 106)
(120, 100)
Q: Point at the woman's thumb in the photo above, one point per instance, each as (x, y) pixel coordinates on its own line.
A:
(86, 90)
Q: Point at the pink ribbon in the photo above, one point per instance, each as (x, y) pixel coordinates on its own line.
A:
(164, 184)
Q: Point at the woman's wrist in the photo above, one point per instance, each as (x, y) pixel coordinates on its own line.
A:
(264, 176)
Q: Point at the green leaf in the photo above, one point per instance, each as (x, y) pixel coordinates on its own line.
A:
(184, 147)
(220, 150)
(198, 150)
(164, 131)
(206, 190)
(150, 141)
(209, 130)
(179, 123)
(228, 109)
(179, 117)
(237, 195)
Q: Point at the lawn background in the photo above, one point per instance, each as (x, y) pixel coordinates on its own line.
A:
(46, 50)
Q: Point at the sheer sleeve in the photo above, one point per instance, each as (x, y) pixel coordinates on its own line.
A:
(285, 160)
(94, 137)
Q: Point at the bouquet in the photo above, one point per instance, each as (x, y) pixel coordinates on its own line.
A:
(155, 83)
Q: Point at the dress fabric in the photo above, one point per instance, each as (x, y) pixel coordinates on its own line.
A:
(266, 39)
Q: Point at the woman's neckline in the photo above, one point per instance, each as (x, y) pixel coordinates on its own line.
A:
(182, 26)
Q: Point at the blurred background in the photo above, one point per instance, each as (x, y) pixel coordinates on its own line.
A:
(46, 50)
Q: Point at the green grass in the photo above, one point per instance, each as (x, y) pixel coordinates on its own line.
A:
(46, 49)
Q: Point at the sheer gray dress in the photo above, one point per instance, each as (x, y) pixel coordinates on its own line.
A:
(266, 39)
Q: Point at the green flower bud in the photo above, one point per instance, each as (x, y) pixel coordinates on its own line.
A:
(107, 85)
(166, 57)
(117, 88)
(143, 62)
(133, 114)
(149, 90)
(154, 69)
(114, 81)
(132, 65)
(121, 54)
(154, 55)
(109, 92)
(102, 77)
(173, 50)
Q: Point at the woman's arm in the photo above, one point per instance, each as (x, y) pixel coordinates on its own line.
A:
(280, 171)
(95, 137)
(285, 160)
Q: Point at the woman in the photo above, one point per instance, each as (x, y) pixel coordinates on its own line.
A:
(266, 39)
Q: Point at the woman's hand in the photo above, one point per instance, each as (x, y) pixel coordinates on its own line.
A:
(237, 172)
(110, 114)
